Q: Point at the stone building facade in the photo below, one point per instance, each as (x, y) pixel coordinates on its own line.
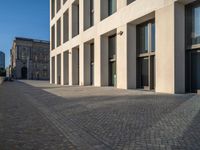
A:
(128, 44)
(30, 59)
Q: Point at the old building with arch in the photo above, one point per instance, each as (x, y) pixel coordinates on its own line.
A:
(30, 59)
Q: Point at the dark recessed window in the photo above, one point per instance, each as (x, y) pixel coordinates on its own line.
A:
(65, 27)
(58, 5)
(91, 13)
(130, 1)
(112, 47)
(196, 25)
(64, 1)
(142, 38)
(52, 9)
(153, 37)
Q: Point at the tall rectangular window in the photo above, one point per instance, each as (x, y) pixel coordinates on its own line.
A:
(64, 1)
(53, 37)
(142, 38)
(92, 52)
(58, 5)
(145, 55)
(112, 7)
(153, 37)
(52, 9)
(193, 47)
(112, 47)
(196, 25)
(112, 60)
(58, 32)
(92, 64)
(65, 27)
(91, 13)
(75, 18)
(88, 14)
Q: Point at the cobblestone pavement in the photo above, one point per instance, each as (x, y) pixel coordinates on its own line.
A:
(37, 116)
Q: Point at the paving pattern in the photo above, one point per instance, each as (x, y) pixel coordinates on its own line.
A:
(37, 116)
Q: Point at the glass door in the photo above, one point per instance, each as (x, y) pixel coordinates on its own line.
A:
(144, 72)
(146, 55)
(194, 71)
(112, 74)
(195, 68)
(92, 64)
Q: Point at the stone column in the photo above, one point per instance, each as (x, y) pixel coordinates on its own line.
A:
(62, 68)
(170, 50)
(97, 61)
(51, 65)
(126, 56)
(56, 73)
(81, 62)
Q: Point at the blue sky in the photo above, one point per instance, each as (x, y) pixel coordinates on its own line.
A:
(22, 18)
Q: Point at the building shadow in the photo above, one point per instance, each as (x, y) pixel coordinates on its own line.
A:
(190, 139)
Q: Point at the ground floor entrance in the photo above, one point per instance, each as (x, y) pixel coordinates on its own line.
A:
(193, 71)
(146, 72)
(75, 66)
(24, 73)
(112, 74)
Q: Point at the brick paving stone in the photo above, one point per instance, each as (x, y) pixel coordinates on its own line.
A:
(36, 115)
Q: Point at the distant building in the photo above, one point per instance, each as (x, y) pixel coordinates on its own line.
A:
(30, 59)
(2, 59)
(8, 71)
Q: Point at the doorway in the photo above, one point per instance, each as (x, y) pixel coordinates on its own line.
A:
(193, 71)
(24, 72)
(92, 64)
(75, 66)
(112, 74)
(146, 55)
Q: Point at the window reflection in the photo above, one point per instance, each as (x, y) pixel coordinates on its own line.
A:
(112, 5)
(112, 47)
(142, 32)
(153, 36)
(196, 26)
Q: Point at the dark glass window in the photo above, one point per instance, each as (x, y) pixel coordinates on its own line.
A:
(52, 37)
(58, 5)
(144, 71)
(59, 32)
(142, 38)
(64, 1)
(130, 1)
(66, 26)
(196, 25)
(112, 6)
(52, 9)
(112, 47)
(91, 12)
(92, 52)
(153, 37)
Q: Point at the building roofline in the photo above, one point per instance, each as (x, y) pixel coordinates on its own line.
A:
(32, 40)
